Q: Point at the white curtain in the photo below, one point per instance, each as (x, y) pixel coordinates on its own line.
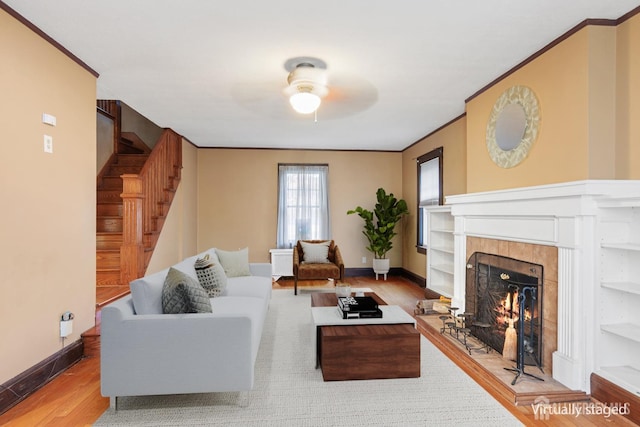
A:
(429, 193)
(430, 182)
(303, 204)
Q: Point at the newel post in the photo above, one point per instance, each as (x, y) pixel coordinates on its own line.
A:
(132, 249)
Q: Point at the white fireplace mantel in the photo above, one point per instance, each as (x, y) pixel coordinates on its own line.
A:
(563, 215)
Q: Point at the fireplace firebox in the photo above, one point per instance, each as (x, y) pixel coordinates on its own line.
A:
(496, 286)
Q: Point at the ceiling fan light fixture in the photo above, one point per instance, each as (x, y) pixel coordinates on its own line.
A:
(305, 102)
(307, 87)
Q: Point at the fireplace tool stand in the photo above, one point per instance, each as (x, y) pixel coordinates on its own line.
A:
(522, 296)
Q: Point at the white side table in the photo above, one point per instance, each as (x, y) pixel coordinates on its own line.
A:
(281, 263)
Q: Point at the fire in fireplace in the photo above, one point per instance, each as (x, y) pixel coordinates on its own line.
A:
(494, 287)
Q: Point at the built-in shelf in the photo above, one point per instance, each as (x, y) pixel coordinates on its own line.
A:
(625, 330)
(442, 230)
(629, 287)
(621, 246)
(445, 268)
(445, 250)
(625, 376)
(619, 270)
(440, 249)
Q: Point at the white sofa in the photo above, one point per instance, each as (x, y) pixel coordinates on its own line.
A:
(146, 352)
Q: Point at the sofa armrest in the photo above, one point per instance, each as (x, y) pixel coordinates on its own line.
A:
(262, 269)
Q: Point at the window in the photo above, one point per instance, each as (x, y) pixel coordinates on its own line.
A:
(303, 204)
(429, 189)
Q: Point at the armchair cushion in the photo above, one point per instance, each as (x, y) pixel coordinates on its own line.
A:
(315, 252)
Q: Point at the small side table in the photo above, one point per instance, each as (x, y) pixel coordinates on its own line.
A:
(281, 263)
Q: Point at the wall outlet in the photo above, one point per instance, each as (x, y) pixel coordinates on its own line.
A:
(364, 259)
(48, 144)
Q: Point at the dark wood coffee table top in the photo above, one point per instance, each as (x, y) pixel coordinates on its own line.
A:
(329, 299)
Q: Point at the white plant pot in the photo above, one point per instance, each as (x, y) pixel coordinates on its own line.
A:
(381, 266)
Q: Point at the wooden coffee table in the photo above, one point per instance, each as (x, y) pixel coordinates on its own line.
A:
(359, 349)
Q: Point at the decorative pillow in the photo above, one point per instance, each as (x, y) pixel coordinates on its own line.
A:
(211, 276)
(235, 263)
(316, 253)
(182, 293)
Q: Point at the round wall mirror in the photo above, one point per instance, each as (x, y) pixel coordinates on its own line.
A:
(510, 126)
(513, 126)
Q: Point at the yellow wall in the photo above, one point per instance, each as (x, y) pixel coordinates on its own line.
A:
(178, 239)
(47, 231)
(559, 79)
(237, 197)
(588, 88)
(628, 99)
(453, 140)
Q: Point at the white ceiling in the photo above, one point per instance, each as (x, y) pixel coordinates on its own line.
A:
(213, 71)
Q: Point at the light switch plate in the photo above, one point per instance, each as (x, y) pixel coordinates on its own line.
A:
(48, 119)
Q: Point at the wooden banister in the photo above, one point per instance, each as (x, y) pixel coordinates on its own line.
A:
(144, 198)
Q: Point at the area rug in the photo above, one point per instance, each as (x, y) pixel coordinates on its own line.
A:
(289, 391)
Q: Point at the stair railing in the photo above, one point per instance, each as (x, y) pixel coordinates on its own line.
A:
(143, 197)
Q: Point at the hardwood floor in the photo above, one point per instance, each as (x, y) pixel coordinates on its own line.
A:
(73, 398)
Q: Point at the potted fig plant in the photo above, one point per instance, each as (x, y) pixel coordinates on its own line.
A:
(379, 227)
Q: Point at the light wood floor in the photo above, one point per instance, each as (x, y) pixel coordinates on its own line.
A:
(73, 398)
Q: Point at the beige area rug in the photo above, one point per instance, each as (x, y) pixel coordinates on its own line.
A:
(289, 391)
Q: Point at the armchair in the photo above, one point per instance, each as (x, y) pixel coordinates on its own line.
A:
(308, 268)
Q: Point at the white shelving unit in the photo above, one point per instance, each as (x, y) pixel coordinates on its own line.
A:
(618, 299)
(440, 250)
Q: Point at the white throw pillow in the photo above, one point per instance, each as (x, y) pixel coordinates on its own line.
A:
(316, 253)
(235, 263)
(211, 275)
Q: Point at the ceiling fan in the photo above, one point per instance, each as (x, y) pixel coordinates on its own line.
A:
(309, 86)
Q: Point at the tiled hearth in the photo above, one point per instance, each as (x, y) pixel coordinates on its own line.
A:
(563, 227)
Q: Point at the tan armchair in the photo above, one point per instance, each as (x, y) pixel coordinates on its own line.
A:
(304, 270)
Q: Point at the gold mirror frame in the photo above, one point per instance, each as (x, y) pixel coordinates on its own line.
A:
(525, 97)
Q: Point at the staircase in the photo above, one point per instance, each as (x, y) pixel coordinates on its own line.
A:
(109, 221)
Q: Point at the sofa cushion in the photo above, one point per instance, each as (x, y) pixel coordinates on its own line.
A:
(315, 252)
(146, 293)
(211, 275)
(249, 286)
(182, 293)
(235, 263)
(187, 266)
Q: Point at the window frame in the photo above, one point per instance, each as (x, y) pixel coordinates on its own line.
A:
(437, 153)
(326, 188)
